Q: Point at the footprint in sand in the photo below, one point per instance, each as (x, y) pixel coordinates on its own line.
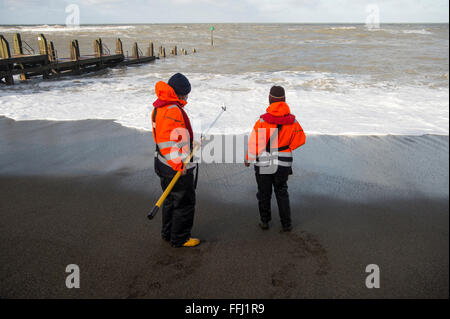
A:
(282, 282)
(307, 245)
(304, 245)
(178, 264)
(139, 289)
(168, 265)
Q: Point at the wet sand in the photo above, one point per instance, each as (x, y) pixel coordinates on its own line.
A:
(78, 193)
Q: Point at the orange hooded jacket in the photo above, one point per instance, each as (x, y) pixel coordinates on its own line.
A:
(172, 131)
(289, 137)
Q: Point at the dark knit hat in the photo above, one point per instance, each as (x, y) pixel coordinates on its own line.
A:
(277, 94)
(180, 84)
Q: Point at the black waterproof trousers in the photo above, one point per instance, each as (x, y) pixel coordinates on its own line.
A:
(178, 209)
(265, 183)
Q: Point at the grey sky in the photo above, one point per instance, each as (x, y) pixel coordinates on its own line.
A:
(199, 11)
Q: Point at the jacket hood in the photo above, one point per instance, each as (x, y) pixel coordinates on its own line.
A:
(166, 95)
(278, 109)
(278, 113)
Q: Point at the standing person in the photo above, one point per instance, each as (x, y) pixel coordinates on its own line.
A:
(275, 135)
(173, 136)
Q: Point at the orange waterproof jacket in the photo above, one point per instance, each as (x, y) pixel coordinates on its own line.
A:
(172, 130)
(289, 136)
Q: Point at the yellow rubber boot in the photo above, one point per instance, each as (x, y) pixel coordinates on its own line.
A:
(192, 242)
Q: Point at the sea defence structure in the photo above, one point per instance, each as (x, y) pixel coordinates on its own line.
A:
(27, 64)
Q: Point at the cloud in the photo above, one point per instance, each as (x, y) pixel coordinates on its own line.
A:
(157, 11)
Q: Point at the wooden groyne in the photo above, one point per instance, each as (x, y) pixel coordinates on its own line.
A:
(26, 63)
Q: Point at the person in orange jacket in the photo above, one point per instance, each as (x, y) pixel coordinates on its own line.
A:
(173, 136)
(274, 136)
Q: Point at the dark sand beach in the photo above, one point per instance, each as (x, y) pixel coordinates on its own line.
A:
(79, 192)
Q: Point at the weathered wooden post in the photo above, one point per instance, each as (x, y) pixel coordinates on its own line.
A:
(163, 52)
(51, 52)
(194, 51)
(175, 51)
(52, 55)
(75, 55)
(150, 50)
(4, 48)
(119, 46)
(43, 50)
(135, 51)
(6, 54)
(74, 50)
(98, 48)
(18, 50)
(43, 47)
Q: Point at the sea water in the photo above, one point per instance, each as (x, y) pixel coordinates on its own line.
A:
(339, 79)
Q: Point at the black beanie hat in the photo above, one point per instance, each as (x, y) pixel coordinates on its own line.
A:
(277, 94)
(180, 84)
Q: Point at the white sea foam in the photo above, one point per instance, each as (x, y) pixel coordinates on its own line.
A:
(343, 28)
(323, 103)
(396, 31)
(422, 31)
